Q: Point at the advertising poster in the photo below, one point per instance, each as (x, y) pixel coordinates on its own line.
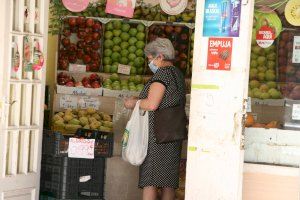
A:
(296, 50)
(123, 8)
(222, 18)
(219, 54)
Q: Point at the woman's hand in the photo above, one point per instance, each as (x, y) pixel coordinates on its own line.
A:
(130, 102)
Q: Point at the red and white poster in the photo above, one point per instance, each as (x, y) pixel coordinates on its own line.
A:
(265, 36)
(219, 53)
(123, 8)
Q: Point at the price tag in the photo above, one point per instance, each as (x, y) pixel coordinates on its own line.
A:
(68, 101)
(124, 69)
(77, 68)
(296, 49)
(88, 102)
(248, 108)
(296, 112)
(79, 91)
(265, 36)
(81, 148)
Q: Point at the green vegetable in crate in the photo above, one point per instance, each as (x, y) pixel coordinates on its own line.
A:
(124, 44)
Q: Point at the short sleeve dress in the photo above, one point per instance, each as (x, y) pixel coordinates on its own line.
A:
(161, 165)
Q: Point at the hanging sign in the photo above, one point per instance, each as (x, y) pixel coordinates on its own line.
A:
(81, 148)
(265, 36)
(15, 58)
(38, 57)
(222, 18)
(76, 5)
(173, 7)
(219, 53)
(123, 8)
(27, 51)
(296, 50)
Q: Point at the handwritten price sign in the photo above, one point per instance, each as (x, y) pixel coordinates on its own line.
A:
(81, 148)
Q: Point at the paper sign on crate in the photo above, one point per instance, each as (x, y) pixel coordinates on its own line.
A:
(77, 68)
(124, 69)
(81, 148)
(68, 101)
(88, 102)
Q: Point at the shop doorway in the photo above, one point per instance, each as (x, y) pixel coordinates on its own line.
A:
(24, 29)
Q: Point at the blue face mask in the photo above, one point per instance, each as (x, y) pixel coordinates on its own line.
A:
(153, 67)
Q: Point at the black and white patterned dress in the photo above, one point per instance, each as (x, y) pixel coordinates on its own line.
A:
(161, 166)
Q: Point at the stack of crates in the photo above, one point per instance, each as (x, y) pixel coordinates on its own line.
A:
(73, 178)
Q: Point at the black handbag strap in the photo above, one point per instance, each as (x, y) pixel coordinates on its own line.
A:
(181, 103)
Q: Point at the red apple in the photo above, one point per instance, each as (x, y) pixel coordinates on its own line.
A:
(63, 64)
(96, 84)
(96, 36)
(184, 36)
(89, 22)
(88, 30)
(72, 58)
(97, 26)
(78, 84)
(88, 85)
(66, 32)
(81, 34)
(95, 45)
(81, 44)
(70, 84)
(79, 53)
(72, 48)
(88, 68)
(95, 55)
(178, 29)
(65, 42)
(88, 49)
(80, 20)
(72, 21)
(86, 59)
(88, 39)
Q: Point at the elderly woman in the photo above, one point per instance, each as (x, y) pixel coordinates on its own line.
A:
(165, 89)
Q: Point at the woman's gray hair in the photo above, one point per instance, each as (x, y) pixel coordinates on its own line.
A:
(161, 46)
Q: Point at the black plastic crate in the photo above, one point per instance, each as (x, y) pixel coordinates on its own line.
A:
(69, 178)
(56, 144)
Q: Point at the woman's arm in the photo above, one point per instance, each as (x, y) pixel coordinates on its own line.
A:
(155, 96)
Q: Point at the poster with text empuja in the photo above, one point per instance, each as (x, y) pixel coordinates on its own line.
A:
(222, 18)
(123, 8)
(219, 54)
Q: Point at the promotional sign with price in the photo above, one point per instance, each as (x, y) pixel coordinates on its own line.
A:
(81, 148)
(88, 102)
(265, 36)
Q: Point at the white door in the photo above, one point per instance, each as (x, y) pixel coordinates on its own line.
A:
(21, 97)
(215, 145)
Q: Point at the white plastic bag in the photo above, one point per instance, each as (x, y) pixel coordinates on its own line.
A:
(135, 137)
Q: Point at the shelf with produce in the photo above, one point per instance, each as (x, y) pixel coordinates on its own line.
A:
(121, 42)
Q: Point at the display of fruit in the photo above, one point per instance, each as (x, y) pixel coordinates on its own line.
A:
(124, 44)
(150, 13)
(91, 81)
(262, 75)
(72, 119)
(288, 71)
(250, 122)
(290, 90)
(268, 90)
(80, 43)
(179, 36)
(133, 83)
